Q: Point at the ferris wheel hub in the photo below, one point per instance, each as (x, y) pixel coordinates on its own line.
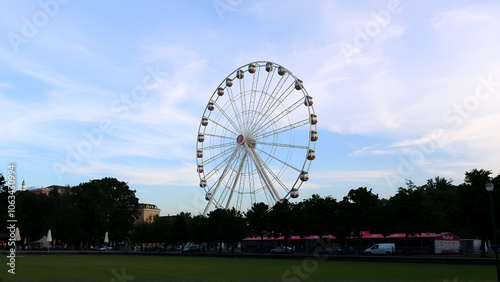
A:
(240, 139)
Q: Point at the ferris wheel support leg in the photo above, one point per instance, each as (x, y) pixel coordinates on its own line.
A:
(236, 180)
(263, 175)
(221, 178)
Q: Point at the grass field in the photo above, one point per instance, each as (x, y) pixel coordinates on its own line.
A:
(184, 268)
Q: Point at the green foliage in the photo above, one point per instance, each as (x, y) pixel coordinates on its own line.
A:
(258, 220)
(361, 209)
(282, 219)
(109, 205)
(180, 232)
(200, 230)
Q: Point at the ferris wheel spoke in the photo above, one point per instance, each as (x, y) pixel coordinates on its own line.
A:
(233, 105)
(219, 155)
(290, 166)
(280, 116)
(218, 146)
(275, 177)
(259, 107)
(274, 105)
(253, 91)
(236, 179)
(226, 127)
(215, 169)
(219, 136)
(222, 178)
(243, 104)
(282, 145)
(229, 119)
(283, 129)
(262, 174)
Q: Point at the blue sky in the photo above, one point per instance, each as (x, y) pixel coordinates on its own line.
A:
(402, 89)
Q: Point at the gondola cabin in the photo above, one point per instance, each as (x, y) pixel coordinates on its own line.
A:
(311, 155)
(304, 176)
(281, 70)
(204, 121)
(201, 137)
(229, 82)
(251, 68)
(220, 91)
(314, 135)
(308, 101)
(269, 67)
(211, 106)
(203, 183)
(298, 84)
(294, 193)
(208, 196)
(239, 74)
(199, 154)
(200, 169)
(314, 119)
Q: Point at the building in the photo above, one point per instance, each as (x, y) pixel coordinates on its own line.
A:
(48, 189)
(147, 213)
(437, 243)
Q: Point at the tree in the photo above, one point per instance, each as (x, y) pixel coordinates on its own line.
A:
(162, 230)
(107, 205)
(317, 216)
(361, 210)
(142, 233)
(199, 230)
(282, 220)
(228, 226)
(180, 229)
(443, 198)
(236, 227)
(258, 222)
(474, 206)
(3, 188)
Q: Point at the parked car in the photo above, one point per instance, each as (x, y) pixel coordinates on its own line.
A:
(104, 248)
(346, 250)
(281, 250)
(381, 249)
(330, 251)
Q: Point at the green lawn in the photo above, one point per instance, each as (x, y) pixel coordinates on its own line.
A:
(168, 268)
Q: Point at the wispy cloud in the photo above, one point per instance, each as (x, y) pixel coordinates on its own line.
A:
(366, 151)
(461, 17)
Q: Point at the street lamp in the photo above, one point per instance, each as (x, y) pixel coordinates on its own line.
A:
(489, 187)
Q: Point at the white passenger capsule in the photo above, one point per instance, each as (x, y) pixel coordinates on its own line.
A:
(304, 176)
(204, 121)
(314, 135)
(269, 67)
(314, 119)
(311, 155)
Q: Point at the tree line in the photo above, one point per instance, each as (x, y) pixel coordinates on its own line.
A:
(108, 205)
(436, 206)
(79, 218)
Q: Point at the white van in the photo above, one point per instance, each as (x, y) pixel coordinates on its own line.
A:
(381, 249)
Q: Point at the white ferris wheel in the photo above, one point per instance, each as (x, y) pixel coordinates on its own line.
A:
(257, 138)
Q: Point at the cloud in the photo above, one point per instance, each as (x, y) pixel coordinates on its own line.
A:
(459, 17)
(183, 174)
(366, 151)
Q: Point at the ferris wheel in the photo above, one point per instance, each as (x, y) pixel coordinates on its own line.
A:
(257, 138)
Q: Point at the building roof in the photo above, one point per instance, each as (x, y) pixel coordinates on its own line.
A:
(366, 235)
